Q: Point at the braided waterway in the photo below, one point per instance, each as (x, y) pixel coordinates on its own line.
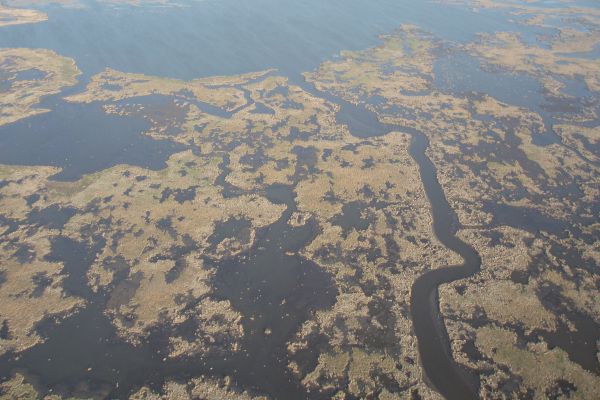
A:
(441, 370)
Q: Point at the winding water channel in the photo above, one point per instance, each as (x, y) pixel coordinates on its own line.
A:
(261, 364)
(443, 372)
(290, 37)
(59, 361)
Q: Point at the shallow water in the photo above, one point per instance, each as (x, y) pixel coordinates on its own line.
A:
(80, 139)
(85, 347)
(223, 37)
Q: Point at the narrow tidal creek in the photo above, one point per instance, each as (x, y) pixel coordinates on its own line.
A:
(443, 372)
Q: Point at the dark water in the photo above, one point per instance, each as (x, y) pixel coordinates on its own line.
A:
(450, 379)
(351, 217)
(275, 290)
(256, 284)
(199, 39)
(81, 138)
(222, 37)
(462, 73)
